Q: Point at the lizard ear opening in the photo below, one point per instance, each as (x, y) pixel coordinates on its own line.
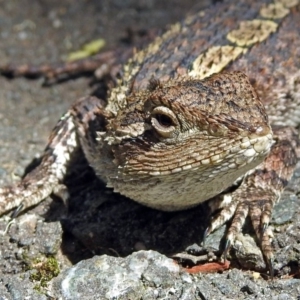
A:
(164, 121)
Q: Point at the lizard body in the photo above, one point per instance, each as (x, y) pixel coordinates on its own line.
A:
(183, 121)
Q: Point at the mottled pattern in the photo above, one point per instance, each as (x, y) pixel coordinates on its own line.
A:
(183, 123)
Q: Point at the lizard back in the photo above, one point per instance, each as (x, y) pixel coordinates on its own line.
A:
(249, 36)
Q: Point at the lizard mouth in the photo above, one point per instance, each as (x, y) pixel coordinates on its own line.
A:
(195, 155)
(252, 148)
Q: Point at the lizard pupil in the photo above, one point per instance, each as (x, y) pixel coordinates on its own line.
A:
(164, 120)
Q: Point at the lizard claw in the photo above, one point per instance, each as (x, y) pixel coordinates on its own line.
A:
(16, 211)
(227, 247)
(264, 228)
(270, 262)
(206, 234)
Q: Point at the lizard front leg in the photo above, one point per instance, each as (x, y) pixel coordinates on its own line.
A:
(48, 176)
(260, 189)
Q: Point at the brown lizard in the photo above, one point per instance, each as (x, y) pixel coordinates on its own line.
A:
(212, 102)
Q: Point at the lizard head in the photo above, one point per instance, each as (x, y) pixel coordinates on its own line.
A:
(215, 128)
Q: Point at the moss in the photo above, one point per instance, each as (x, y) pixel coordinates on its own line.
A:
(43, 271)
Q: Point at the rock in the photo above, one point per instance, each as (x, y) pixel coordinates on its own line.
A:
(142, 275)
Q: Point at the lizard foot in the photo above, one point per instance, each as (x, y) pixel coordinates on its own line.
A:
(257, 194)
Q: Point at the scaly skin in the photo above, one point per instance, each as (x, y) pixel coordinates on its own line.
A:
(183, 123)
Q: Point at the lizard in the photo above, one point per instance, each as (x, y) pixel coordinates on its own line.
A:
(211, 103)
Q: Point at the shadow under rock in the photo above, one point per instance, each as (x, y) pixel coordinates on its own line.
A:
(99, 221)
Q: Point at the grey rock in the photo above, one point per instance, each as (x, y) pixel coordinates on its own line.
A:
(248, 254)
(48, 237)
(16, 287)
(142, 275)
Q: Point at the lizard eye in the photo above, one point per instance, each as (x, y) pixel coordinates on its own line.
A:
(164, 121)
